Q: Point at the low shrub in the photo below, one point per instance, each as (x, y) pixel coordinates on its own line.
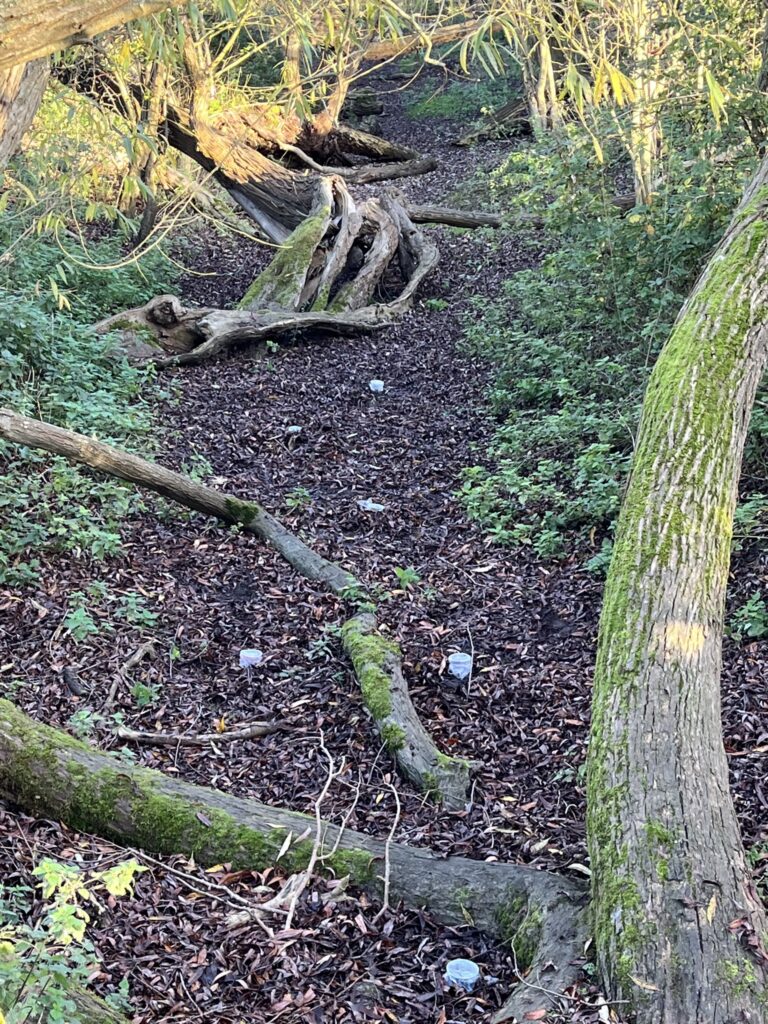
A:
(575, 338)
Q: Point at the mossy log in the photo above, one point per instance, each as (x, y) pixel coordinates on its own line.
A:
(378, 666)
(680, 930)
(51, 774)
(282, 283)
(372, 658)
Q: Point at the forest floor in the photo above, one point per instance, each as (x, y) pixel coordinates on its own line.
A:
(200, 593)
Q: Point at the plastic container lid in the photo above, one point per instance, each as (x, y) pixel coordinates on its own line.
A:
(460, 666)
(462, 973)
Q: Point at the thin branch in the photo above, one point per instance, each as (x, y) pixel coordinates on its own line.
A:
(306, 875)
(387, 847)
(169, 739)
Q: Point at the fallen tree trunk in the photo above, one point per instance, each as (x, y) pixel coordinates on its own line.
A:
(238, 148)
(50, 774)
(134, 470)
(378, 666)
(376, 662)
(423, 214)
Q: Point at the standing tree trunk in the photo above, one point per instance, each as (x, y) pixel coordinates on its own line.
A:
(21, 89)
(679, 928)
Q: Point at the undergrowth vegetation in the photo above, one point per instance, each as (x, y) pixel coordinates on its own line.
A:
(54, 366)
(575, 338)
(462, 98)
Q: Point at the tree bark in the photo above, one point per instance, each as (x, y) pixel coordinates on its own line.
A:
(423, 214)
(35, 28)
(679, 927)
(50, 774)
(21, 90)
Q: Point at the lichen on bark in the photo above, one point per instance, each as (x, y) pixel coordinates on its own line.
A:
(660, 822)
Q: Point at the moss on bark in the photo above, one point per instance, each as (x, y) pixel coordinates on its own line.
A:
(115, 800)
(369, 653)
(282, 281)
(662, 614)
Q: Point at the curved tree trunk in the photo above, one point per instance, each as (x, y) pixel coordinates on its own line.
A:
(679, 928)
(21, 89)
(240, 148)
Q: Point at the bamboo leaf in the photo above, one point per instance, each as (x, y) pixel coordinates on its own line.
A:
(284, 848)
(717, 96)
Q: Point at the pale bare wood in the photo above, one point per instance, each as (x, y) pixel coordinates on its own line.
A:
(180, 739)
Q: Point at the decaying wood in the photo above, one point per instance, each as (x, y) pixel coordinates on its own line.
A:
(50, 774)
(220, 330)
(304, 273)
(358, 292)
(377, 665)
(162, 325)
(202, 739)
(176, 486)
(512, 116)
(318, 288)
(423, 214)
(237, 148)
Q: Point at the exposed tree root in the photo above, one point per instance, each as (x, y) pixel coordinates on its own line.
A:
(50, 774)
(554, 962)
(309, 286)
(376, 661)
